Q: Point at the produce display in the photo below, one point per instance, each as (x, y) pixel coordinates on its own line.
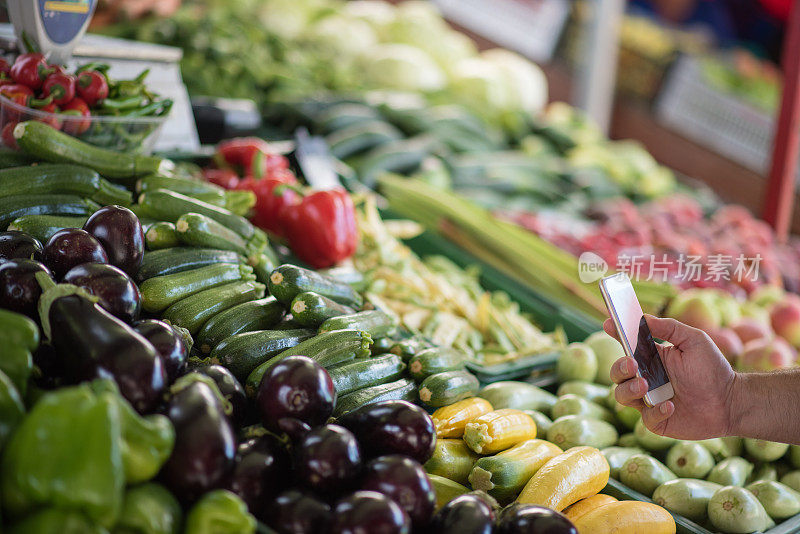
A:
(85, 104)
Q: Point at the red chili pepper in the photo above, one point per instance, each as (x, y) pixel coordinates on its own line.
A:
(226, 178)
(7, 135)
(17, 93)
(270, 203)
(77, 107)
(5, 68)
(60, 86)
(322, 228)
(51, 121)
(29, 69)
(92, 86)
(241, 151)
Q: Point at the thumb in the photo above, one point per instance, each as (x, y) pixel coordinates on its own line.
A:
(670, 330)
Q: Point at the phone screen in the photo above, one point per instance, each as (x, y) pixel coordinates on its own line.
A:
(635, 332)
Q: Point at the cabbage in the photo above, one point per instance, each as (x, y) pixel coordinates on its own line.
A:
(379, 15)
(348, 35)
(525, 83)
(477, 83)
(401, 66)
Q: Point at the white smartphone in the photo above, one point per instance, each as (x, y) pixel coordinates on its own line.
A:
(634, 334)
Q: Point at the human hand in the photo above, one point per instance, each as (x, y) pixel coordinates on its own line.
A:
(701, 377)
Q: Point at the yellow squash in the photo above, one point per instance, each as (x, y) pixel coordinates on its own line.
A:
(499, 430)
(576, 474)
(451, 420)
(626, 517)
(584, 506)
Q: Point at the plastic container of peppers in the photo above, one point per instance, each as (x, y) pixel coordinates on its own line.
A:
(122, 133)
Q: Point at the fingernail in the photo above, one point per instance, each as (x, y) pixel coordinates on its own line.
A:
(664, 408)
(624, 366)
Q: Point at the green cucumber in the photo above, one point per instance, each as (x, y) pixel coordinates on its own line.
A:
(403, 389)
(435, 360)
(312, 309)
(192, 312)
(46, 143)
(42, 227)
(197, 230)
(360, 137)
(184, 186)
(242, 353)
(17, 206)
(160, 235)
(51, 178)
(161, 292)
(443, 389)
(377, 323)
(260, 314)
(328, 349)
(179, 259)
(168, 206)
(288, 281)
(18, 330)
(366, 372)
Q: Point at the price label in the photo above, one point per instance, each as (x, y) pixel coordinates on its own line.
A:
(530, 27)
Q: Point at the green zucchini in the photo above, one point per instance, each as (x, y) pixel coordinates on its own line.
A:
(366, 372)
(196, 230)
(184, 186)
(377, 323)
(161, 292)
(443, 389)
(161, 235)
(312, 309)
(360, 137)
(260, 314)
(18, 330)
(346, 114)
(192, 312)
(452, 459)
(242, 353)
(179, 259)
(42, 227)
(63, 179)
(17, 206)
(46, 143)
(403, 389)
(14, 158)
(435, 360)
(398, 157)
(445, 489)
(328, 349)
(382, 345)
(168, 206)
(407, 348)
(288, 281)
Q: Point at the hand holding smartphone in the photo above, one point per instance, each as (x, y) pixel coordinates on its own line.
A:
(634, 334)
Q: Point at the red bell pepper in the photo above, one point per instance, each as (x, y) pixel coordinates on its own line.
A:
(271, 201)
(242, 152)
(321, 228)
(92, 86)
(60, 86)
(29, 69)
(226, 178)
(80, 109)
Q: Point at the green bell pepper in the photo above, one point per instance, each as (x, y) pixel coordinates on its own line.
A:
(56, 521)
(17, 330)
(12, 410)
(17, 364)
(219, 512)
(66, 454)
(149, 509)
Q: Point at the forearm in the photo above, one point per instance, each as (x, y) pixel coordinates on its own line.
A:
(766, 406)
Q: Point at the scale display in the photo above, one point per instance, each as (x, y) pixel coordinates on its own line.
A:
(63, 20)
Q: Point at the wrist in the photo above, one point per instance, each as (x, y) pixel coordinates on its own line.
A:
(736, 405)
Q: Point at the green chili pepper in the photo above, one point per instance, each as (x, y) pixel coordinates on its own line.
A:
(56, 521)
(17, 364)
(149, 509)
(122, 103)
(128, 88)
(146, 441)
(142, 75)
(149, 109)
(66, 454)
(12, 410)
(220, 512)
(94, 65)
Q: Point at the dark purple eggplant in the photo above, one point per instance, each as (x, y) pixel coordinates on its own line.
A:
(294, 512)
(120, 232)
(257, 475)
(70, 247)
(95, 344)
(19, 289)
(231, 389)
(168, 345)
(18, 245)
(327, 459)
(466, 514)
(51, 367)
(533, 519)
(392, 427)
(405, 482)
(118, 294)
(205, 446)
(297, 388)
(369, 512)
